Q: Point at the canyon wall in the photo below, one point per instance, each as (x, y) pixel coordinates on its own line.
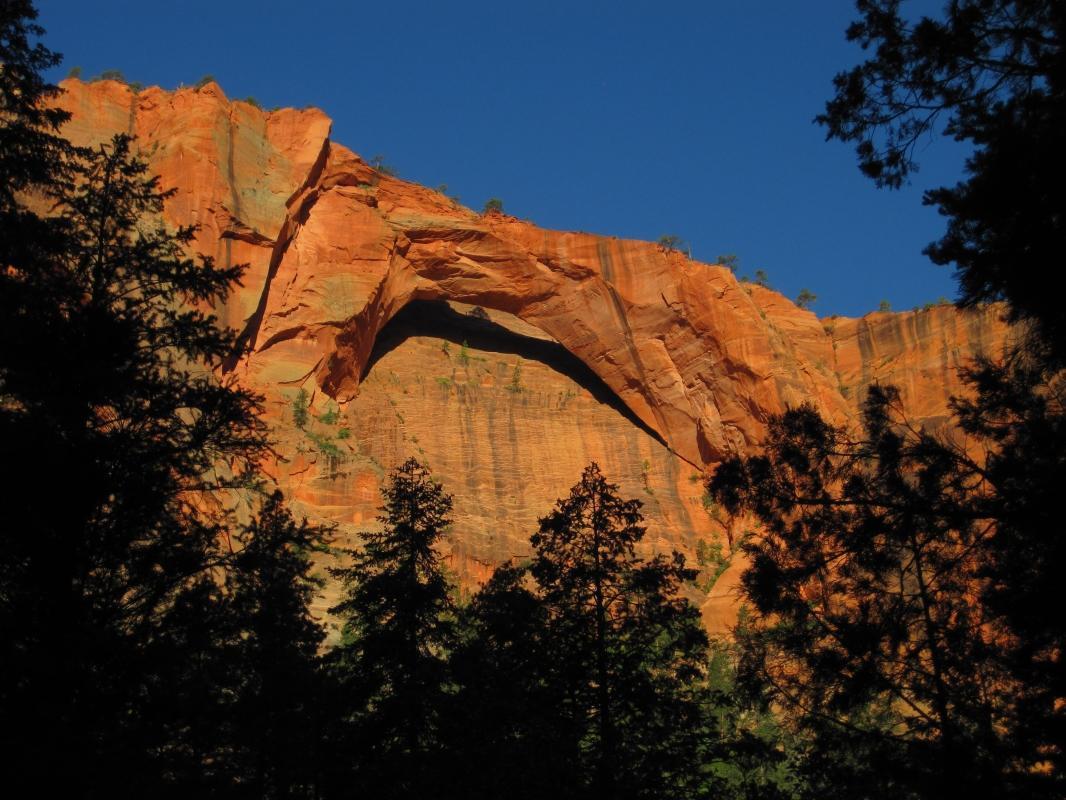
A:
(504, 355)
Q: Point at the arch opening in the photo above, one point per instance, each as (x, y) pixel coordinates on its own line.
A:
(495, 332)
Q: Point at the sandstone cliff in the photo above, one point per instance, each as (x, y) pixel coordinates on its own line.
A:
(505, 355)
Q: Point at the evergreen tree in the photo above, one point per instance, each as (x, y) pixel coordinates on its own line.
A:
(391, 668)
(33, 155)
(626, 650)
(866, 630)
(507, 733)
(748, 755)
(109, 595)
(273, 655)
(991, 73)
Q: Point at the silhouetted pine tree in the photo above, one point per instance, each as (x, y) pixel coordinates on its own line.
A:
(866, 629)
(627, 653)
(117, 450)
(506, 732)
(390, 669)
(271, 722)
(34, 157)
(117, 443)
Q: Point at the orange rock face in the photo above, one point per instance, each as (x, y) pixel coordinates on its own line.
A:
(920, 352)
(505, 355)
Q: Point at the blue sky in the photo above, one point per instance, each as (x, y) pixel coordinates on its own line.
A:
(626, 118)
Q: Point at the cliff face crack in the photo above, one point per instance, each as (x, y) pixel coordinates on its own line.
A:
(290, 226)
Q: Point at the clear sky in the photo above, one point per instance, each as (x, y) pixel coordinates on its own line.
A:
(627, 118)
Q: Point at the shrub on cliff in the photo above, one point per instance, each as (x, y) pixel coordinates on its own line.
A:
(806, 298)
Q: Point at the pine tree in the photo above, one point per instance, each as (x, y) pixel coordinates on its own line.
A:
(273, 654)
(119, 448)
(33, 155)
(866, 630)
(986, 72)
(627, 651)
(391, 666)
(507, 731)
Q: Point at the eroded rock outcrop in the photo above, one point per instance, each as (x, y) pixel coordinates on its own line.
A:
(505, 354)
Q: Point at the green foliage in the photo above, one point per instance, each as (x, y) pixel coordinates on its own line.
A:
(493, 205)
(252, 102)
(862, 586)
(711, 507)
(806, 299)
(206, 79)
(344, 433)
(624, 646)
(446, 348)
(510, 726)
(272, 651)
(443, 189)
(325, 445)
(671, 242)
(33, 155)
(379, 165)
(444, 381)
(75, 72)
(645, 467)
(761, 279)
(515, 386)
(884, 305)
(713, 562)
(730, 260)
(111, 75)
(331, 415)
(749, 755)
(119, 590)
(464, 354)
(300, 414)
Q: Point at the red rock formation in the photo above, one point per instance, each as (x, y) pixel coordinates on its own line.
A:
(655, 365)
(919, 351)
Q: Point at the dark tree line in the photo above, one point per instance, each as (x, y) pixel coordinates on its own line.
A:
(581, 674)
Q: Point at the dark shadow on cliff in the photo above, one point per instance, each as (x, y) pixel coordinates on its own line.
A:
(440, 320)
